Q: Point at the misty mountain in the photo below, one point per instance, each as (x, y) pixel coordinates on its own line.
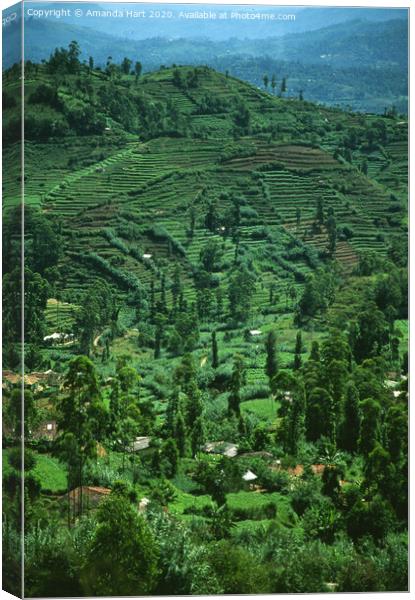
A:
(122, 25)
(360, 63)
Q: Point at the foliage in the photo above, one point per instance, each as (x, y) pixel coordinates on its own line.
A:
(229, 266)
(122, 556)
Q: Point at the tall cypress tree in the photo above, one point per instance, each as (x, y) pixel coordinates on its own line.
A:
(294, 421)
(350, 428)
(163, 293)
(369, 430)
(315, 352)
(152, 301)
(194, 407)
(237, 381)
(298, 217)
(298, 350)
(197, 436)
(320, 211)
(211, 218)
(320, 416)
(271, 364)
(271, 292)
(176, 288)
(171, 411)
(219, 302)
(171, 454)
(158, 336)
(215, 357)
(332, 233)
(180, 434)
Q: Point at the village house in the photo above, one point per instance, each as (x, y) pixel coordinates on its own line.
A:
(224, 448)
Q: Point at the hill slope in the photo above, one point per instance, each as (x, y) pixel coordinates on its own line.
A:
(216, 298)
(137, 166)
(363, 64)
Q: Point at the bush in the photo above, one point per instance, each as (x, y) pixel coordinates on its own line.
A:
(159, 233)
(261, 233)
(253, 392)
(305, 495)
(45, 127)
(222, 377)
(345, 232)
(301, 570)
(238, 571)
(321, 521)
(358, 575)
(271, 166)
(248, 212)
(278, 481)
(9, 101)
(84, 119)
(109, 235)
(45, 94)
(126, 280)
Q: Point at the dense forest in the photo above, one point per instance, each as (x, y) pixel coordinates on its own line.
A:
(215, 357)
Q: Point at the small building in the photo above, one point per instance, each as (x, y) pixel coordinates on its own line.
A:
(255, 332)
(10, 379)
(48, 429)
(59, 338)
(224, 448)
(249, 476)
(91, 496)
(54, 338)
(142, 505)
(258, 454)
(52, 378)
(141, 443)
(36, 379)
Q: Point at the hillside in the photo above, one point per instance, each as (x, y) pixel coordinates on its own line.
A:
(285, 163)
(216, 327)
(362, 64)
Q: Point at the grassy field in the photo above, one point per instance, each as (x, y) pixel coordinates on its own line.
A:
(49, 470)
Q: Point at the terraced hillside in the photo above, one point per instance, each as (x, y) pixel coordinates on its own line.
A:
(216, 327)
(280, 162)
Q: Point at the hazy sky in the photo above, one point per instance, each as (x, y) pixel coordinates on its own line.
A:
(220, 21)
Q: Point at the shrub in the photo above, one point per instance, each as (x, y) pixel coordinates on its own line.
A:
(255, 513)
(248, 212)
(305, 495)
(253, 392)
(126, 280)
(159, 233)
(45, 94)
(109, 235)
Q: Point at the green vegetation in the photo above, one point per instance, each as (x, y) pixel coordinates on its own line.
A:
(216, 336)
